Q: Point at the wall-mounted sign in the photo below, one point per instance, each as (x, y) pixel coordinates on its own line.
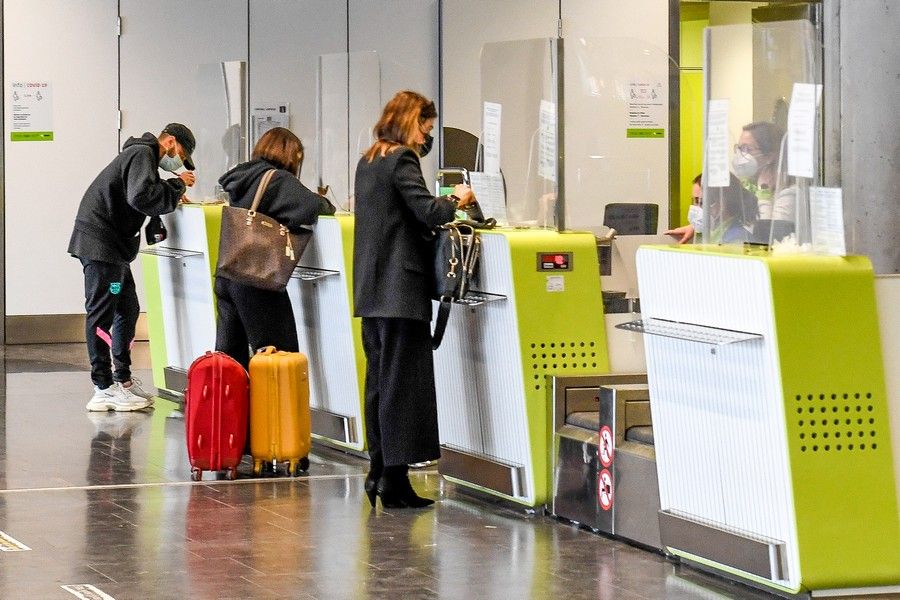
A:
(266, 117)
(32, 111)
(646, 110)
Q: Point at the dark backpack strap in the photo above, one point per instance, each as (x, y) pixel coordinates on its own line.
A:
(440, 323)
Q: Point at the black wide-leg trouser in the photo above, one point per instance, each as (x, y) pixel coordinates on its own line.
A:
(400, 402)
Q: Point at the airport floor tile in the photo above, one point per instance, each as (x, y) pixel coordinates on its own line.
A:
(105, 500)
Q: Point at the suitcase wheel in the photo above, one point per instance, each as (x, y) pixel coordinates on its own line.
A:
(231, 474)
(196, 474)
(257, 467)
(297, 467)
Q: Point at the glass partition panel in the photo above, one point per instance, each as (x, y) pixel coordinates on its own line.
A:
(349, 104)
(763, 132)
(520, 132)
(617, 136)
(219, 122)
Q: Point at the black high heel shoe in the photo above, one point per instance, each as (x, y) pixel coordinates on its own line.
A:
(399, 493)
(376, 468)
(371, 488)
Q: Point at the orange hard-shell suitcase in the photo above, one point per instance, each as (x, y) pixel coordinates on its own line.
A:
(279, 410)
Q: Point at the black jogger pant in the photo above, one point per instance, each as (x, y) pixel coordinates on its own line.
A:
(400, 403)
(250, 318)
(111, 303)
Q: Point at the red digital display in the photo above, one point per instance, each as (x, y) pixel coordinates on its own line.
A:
(561, 261)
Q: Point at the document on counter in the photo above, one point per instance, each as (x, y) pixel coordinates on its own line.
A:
(716, 173)
(490, 136)
(826, 211)
(488, 189)
(802, 130)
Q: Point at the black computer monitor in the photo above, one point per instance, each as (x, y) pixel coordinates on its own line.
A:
(632, 218)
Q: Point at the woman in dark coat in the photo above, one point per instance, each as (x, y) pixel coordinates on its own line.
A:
(251, 317)
(392, 262)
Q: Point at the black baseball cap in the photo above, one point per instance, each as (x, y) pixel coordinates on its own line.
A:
(184, 137)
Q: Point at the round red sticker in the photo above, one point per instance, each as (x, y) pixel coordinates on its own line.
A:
(605, 489)
(606, 446)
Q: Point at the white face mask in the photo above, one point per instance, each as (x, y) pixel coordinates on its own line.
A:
(695, 217)
(171, 163)
(744, 165)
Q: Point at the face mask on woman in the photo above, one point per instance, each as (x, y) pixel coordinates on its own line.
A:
(695, 217)
(744, 165)
(171, 163)
(426, 146)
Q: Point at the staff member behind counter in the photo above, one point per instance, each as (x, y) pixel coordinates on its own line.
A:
(106, 239)
(391, 291)
(250, 317)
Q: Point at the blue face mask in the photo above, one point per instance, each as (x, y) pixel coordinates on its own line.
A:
(171, 163)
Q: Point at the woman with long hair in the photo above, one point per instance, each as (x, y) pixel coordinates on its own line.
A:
(755, 160)
(250, 317)
(392, 262)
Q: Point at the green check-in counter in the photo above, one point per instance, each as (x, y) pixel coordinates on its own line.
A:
(321, 293)
(771, 417)
(179, 275)
(535, 311)
(180, 304)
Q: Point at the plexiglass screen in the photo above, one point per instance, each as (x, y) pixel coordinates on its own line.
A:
(349, 105)
(219, 123)
(763, 135)
(519, 83)
(616, 136)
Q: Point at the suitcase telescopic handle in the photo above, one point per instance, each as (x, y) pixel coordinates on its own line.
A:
(267, 350)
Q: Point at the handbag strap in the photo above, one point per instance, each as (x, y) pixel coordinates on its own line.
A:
(263, 184)
(440, 323)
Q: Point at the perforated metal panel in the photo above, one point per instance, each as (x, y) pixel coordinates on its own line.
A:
(559, 357)
(837, 422)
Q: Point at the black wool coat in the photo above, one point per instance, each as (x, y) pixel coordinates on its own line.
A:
(392, 259)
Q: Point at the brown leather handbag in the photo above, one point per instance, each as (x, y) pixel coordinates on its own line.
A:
(256, 250)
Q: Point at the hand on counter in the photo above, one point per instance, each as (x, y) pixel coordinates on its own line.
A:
(188, 178)
(684, 234)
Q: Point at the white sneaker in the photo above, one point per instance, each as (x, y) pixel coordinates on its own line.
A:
(134, 386)
(117, 398)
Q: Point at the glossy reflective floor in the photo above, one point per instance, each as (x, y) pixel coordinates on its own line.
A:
(104, 500)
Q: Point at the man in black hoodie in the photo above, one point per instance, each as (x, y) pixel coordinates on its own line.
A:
(106, 238)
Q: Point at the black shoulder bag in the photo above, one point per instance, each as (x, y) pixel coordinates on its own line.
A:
(457, 248)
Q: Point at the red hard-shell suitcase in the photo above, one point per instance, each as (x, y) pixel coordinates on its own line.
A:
(215, 413)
